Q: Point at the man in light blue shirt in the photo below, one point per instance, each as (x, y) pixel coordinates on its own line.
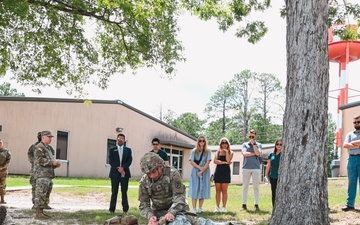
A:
(251, 151)
(352, 144)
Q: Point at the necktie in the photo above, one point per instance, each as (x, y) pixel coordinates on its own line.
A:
(120, 154)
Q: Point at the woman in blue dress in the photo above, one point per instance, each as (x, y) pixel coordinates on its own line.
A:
(199, 188)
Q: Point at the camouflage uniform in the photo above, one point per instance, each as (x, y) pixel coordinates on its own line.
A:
(166, 194)
(5, 157)
(43, 174)
(31, 159)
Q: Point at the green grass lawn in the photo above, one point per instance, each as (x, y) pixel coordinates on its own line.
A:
(337, 195)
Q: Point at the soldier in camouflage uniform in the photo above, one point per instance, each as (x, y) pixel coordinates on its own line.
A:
(162, 195)
(44, 166)
(5, 157)
(31, 159)
(161, 190)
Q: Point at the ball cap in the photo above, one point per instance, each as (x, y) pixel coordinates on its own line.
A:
(46, 133)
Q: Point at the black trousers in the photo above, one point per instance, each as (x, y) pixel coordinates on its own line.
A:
(273, 183)
(124, 184)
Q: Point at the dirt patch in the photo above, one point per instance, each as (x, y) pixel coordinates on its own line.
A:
(19, 201)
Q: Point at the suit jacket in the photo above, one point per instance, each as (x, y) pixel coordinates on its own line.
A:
(115, 161)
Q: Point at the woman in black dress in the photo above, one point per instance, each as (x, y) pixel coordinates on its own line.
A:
(222, 177)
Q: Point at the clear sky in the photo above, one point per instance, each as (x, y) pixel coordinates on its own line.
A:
(213, 57)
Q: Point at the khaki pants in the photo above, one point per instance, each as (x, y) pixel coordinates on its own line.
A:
(255, 175)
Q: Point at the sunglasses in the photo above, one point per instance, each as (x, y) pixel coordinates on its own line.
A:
(279, 144)
(251, 136)
(224, 143)
(201, 140)
(356, 122)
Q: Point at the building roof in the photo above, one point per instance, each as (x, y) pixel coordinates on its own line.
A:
(95, 101)
(349, 105)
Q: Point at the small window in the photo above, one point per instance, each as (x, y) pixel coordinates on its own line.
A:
(110, 143)
(62, 142)
(236, 168)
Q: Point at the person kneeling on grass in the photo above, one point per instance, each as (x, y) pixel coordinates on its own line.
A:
(162, 186)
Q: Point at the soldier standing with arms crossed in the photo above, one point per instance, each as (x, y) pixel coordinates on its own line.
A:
(45, 164)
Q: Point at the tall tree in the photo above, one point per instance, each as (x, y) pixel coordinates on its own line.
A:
(219, 105)
(269, 87)
(6, 90)
(242, 90)
(305, 120)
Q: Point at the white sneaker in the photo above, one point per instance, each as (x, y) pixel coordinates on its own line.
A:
(223, 210)
(200, 210)
(194, 210)
(217, 209)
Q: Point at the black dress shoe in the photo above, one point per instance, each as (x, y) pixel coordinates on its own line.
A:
(347, 208)
(244, 207)
(257, 208)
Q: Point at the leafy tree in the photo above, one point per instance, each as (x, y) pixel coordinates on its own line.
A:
(241, 95)
(214, 131)
(273, 132)
(219, 105)
(6, 90)
(169, 116)
(269, 87)
(302, 197)
(189, 123)
(69, 43)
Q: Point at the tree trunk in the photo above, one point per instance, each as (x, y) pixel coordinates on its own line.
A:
(302, 196)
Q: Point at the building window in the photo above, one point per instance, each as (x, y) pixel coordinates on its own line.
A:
(236, 168)
(176, 158)
(62, 142)
(110, 143)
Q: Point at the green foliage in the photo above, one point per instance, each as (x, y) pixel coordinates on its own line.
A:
(189, 123)
(232, 13)
(6, 90)
(76, 42)
(65, 43)
(332, 149)
(242, 104)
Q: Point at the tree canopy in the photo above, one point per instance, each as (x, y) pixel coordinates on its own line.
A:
(70, 43)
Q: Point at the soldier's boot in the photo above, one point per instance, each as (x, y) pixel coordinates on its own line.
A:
(2, 214)
(2, 200)
(129, 220)
(47, 207)
(40, 214)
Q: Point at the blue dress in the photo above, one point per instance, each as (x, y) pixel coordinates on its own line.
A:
(200, 186)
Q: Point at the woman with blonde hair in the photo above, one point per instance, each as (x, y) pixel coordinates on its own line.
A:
(222, 176)
(199, 188)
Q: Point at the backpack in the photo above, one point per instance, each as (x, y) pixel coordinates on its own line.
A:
(122, 220)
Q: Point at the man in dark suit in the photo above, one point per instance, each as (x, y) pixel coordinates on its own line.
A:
(120, 159)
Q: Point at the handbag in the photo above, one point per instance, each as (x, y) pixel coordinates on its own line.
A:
(198, 161)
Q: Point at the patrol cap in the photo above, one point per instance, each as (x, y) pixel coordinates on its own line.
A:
(46, 133)
(150, 161)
